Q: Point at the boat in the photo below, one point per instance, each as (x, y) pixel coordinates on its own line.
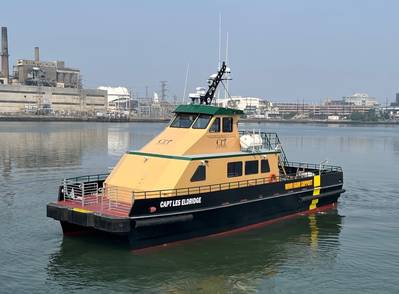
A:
(201, 176)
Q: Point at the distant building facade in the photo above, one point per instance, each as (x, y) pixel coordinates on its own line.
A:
(358, 102)
(45, 73)
(118, 98)
(253, 107)
(361, 99)
(33, 99)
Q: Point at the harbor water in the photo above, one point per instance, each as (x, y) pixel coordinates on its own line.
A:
(351, 249)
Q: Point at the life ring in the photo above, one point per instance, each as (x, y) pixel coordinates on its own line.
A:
(273, 178)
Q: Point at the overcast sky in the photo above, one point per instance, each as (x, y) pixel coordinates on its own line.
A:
(279, 50)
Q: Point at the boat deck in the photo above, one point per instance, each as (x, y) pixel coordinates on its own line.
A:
(104, 206)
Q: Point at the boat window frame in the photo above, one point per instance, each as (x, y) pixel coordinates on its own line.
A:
(182, 113)
(213, 123)
(195, 174)
(252, 172)
(198, 117)
(264, 170)
(224, 126)
(236, 174)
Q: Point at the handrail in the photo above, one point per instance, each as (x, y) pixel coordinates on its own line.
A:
(270, 141)
(315, 166)
(87, 178)
(237, 184)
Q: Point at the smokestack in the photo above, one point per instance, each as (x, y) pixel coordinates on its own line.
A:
(4, 53)
(36, 54)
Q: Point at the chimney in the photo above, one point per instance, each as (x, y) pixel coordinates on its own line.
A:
(37, 59)
(4, 53)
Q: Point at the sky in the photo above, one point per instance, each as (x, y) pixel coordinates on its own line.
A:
(279, 50)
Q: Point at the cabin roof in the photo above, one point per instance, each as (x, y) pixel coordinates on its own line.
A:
(206, 109)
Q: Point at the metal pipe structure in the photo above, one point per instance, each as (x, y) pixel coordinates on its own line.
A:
(4, 53)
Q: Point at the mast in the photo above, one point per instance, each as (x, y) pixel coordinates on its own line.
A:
(214, 82)
(226, 90)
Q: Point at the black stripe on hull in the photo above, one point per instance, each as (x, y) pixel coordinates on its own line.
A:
(203, 223)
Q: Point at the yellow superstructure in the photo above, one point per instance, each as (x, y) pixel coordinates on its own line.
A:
(171, 159)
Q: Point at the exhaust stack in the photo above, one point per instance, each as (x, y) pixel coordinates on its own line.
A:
(4, 54)
(37, 59)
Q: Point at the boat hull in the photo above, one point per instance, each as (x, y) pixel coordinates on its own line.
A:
(159, 221)
(209, 222)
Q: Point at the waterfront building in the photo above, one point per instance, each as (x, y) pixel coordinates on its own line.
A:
(361, 99)
(343, 108)
(45, 73)
(45, 100)
(252, 106)
(396, 103)
(118, 98)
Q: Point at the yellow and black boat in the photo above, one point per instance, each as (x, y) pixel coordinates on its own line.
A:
(200, 176)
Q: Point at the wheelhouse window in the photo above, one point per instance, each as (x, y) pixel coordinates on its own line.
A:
(215, 127)
(227, 124)
(183, 120)
(251, 167)
(199, 174)
(234, 169)
(264, 166)
(202, 121)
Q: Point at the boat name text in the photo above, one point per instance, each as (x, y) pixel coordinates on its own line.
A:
(300, 184)
(180, 202)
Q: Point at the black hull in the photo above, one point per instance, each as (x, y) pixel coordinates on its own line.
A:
(216, 212)
(205, 223)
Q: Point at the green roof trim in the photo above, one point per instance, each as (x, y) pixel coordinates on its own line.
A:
(206, 109)
(204, 157)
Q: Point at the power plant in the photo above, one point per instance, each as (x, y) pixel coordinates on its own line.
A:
(45, 87)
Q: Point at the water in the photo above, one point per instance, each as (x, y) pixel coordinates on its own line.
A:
(354, 249)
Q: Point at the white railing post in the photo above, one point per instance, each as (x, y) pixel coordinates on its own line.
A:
(83, 194)
(65, 192)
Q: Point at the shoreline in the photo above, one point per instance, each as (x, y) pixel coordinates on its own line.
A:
(38, 118)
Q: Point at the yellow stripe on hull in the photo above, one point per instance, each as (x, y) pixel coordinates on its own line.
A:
(82, 210)
(316, 192)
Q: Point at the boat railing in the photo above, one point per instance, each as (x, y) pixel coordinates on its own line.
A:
(320, 168)
(87, 178)
(270, 141)
(90, 193)
(308, 170)
(89, 190)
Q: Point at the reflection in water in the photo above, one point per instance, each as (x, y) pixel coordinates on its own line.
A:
(41, 146)
(237, 262)
(118, 142)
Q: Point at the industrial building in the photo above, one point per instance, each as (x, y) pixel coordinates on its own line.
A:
(118, 98)
(46, 100)
(45, 73)
(45, 87)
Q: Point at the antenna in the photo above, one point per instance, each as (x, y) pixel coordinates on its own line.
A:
(220, 39)
(220, 46)
(226, 90)
(185, 83)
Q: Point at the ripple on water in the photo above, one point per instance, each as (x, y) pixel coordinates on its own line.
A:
(353, 250)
